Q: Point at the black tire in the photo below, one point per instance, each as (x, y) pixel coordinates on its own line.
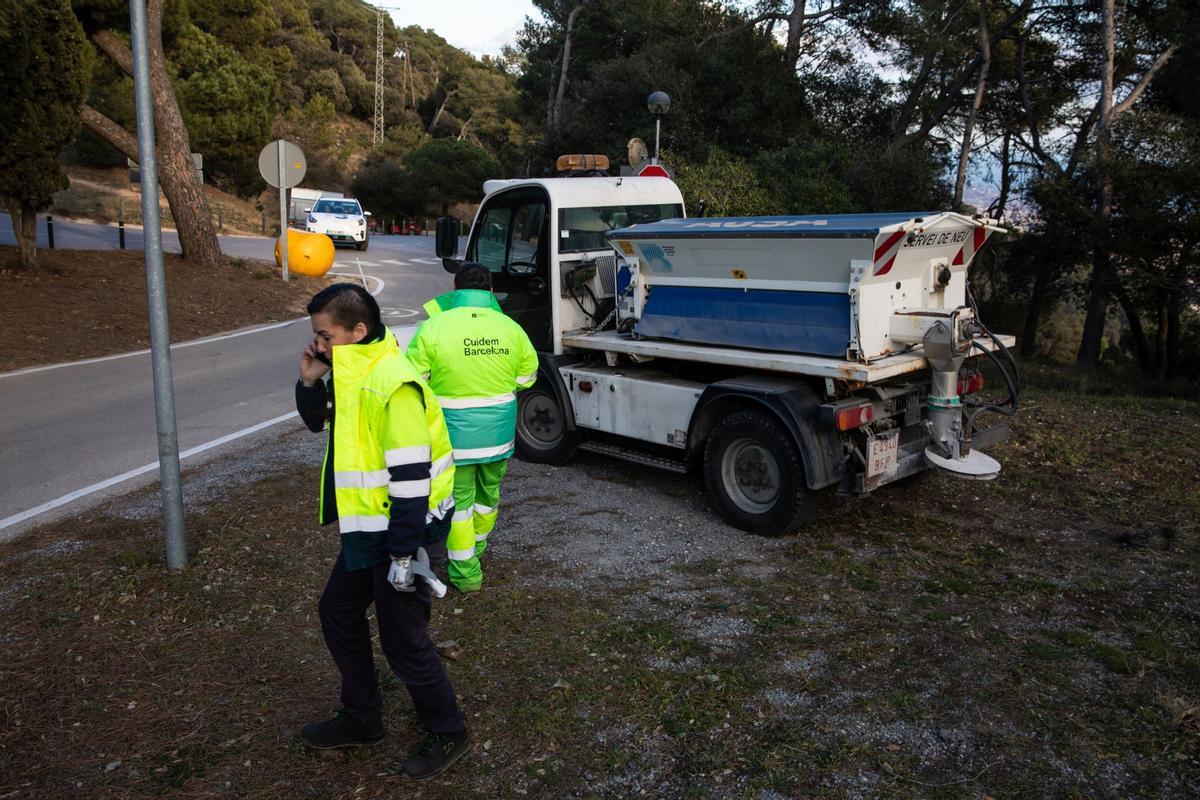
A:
(360, 246)
(754, 475)
(542, 433)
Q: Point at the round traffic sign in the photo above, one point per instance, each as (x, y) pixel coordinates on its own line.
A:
(294, 164)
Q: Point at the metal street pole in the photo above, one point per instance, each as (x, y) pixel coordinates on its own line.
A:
(156, 295)
(283, 215)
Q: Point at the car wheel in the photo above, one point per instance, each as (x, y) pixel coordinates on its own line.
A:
(542, 433)
(755, 476)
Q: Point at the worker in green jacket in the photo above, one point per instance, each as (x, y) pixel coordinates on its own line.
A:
(476, 360)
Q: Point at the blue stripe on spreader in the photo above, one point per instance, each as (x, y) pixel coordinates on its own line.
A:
(761, 319)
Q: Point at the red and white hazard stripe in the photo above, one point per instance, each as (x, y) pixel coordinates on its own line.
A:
(971, 247)
(885, 252)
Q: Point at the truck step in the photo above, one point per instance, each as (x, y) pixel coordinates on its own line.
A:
(636, 456)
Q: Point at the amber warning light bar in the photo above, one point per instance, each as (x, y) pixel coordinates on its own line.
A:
(575, 162)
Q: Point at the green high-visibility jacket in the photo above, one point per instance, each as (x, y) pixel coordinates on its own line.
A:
(393, 469)
(476, 360)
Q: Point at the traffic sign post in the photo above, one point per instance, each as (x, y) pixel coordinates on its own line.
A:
(282, 164)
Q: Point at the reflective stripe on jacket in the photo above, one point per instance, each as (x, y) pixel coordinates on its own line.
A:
(476, 359)
(393, 468)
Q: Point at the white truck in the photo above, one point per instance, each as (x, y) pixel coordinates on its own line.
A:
(776, 355)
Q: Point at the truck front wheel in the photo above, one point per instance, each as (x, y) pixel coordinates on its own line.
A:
(542, 433)
(755, 476)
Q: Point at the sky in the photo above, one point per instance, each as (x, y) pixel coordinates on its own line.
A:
(480, 27)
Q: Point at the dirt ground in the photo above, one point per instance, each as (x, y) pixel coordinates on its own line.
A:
(1035, 636)
(105, 195)
(83, 303)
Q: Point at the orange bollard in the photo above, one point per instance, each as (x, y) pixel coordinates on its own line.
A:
(308, 253)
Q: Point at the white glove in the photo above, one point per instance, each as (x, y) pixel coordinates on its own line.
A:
(400, 574)
(420, 565)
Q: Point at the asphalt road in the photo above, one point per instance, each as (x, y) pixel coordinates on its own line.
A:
(85, 427)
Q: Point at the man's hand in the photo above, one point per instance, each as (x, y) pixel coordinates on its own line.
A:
(312, 369)
(400, 574)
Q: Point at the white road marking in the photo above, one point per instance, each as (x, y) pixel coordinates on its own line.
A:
(178, 346)
(374, 292)
(399, 312)
(133, 473)
(394, 261)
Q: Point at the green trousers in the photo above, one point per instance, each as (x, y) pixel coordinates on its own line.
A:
(476, 498)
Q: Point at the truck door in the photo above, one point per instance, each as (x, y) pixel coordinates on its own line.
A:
(512, 239)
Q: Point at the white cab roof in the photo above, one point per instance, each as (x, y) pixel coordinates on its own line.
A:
(585, 192)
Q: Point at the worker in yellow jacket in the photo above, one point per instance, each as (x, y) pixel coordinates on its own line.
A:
(475, 359)
(387, 481)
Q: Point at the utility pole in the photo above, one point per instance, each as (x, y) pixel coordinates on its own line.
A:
(377, 133)
(170, 482)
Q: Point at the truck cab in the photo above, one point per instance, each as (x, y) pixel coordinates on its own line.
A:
(655, 346)
(531, 233)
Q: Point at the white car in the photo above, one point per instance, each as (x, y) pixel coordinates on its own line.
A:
(341, 219)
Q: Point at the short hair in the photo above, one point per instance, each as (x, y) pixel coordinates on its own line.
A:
(473, 276)
(347, 304)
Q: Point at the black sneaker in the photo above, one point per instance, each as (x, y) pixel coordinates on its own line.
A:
(435, 755)
(341, 731)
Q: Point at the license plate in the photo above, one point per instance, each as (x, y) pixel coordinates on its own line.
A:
(881, 454)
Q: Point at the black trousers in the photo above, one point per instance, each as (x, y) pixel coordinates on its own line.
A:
(403, 619)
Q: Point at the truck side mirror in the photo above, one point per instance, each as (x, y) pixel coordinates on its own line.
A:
(446, 240)
(445, 243)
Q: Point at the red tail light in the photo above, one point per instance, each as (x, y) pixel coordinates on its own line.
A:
(970, 383)
(845, 419)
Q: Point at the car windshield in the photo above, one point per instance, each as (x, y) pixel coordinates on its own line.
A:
(336, 207)
(582, 229)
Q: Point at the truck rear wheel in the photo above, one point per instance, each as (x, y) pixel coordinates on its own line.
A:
(755, 476)
(542, 433)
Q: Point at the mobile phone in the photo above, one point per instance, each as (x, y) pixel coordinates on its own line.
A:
(324, 359)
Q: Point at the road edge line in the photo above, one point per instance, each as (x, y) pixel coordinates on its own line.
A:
(70, 497)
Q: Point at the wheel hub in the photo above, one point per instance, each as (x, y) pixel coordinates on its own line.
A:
(751, 476)
(540, 422)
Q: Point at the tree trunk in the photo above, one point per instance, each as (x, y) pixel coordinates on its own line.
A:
(1091, 343)
(1174, 328)
(1160, 336)
(24, 219)
(1140, 343)
(964, 153)
(1033, 313)
(176, 172)
(555, 116)
(438, 114)
(791, 50)
(1093, 324)
(1001, 203)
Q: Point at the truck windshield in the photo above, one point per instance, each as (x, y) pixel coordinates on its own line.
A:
(582, 229)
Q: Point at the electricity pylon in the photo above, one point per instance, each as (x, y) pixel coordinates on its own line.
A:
(377, 133)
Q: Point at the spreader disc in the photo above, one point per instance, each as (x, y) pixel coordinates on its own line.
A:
(976, 466)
